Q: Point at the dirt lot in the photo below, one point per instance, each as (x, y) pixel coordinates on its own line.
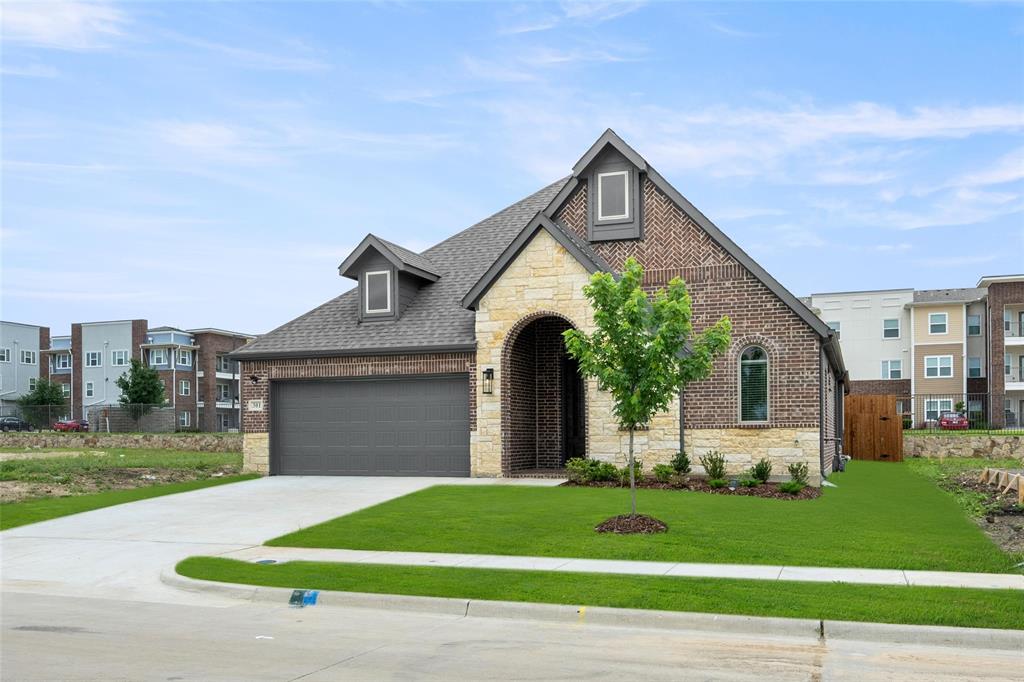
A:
(33, 474)
(1004, 520)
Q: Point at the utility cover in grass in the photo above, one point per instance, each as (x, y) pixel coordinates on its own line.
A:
(631, 523)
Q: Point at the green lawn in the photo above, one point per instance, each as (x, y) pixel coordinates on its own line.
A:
(32, 511)
(882, 515)
(885, 604)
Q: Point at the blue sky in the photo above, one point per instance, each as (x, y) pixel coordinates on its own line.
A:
(211, 164)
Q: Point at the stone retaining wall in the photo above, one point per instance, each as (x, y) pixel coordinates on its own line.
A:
(193, 442)
(963, 446)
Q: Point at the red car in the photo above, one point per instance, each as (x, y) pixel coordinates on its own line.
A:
(71, 425)
(953, 421)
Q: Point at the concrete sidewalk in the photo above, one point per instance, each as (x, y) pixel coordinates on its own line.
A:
(866, 576)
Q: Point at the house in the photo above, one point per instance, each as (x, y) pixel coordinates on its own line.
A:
(934, 348)
(450, 362)
(201, 384)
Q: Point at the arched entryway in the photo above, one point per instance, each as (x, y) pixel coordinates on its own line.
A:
(543, 415)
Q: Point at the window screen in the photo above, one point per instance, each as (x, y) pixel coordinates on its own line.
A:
(754, 385)
(613, 195)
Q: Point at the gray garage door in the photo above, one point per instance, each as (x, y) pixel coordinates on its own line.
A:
(409, 426)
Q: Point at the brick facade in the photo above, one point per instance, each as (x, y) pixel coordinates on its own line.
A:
(1000, 294)
(898, 387)
(211, 345)
(673, 245)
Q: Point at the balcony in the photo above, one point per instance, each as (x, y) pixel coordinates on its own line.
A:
(228, 404)
(1013, 335)
(1014, 381)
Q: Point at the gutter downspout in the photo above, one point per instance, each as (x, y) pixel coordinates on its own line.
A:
(682, 424)
(822, 362)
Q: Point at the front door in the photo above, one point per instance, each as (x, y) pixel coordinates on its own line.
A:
(574, 441)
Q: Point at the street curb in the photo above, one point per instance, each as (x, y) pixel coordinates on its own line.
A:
(816, 630)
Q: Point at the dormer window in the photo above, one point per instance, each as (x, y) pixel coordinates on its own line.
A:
(377, 294)
(613, 195)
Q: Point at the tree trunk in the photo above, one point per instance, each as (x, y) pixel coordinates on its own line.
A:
(632, 477)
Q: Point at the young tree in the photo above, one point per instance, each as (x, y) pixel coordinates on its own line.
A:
(140, 389)
(638, 351)
(37, 405)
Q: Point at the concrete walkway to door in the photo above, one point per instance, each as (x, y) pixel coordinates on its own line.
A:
(869, 576)
(119, 552)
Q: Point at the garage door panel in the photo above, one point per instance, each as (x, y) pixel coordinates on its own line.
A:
(387, 426)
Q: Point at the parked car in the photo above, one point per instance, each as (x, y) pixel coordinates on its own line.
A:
(14, 424)
(71, 425)
(953, 421)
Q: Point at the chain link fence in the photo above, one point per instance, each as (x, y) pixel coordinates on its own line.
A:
(134, 418)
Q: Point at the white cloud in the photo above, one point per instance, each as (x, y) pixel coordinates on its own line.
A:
(954, 261)
(725, 29)
(1008, 168)
(256, 59)
(893, 248)
(581, 11)
(29, 71)
(63, 25)
(745, 212)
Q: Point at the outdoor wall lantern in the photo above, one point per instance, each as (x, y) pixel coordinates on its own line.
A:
(254, 379)
(488, 383)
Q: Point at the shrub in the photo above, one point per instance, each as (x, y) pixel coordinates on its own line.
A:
(717, 482)
(681, 463)
(582, 470)
(578, 470)
(792, 487)
(664, 472)
(749, 481)
(798, 472)
(638, 468)
(714, 464)
(762, 471)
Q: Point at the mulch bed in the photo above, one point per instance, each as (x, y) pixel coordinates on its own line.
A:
(767, 490)
(631, 523)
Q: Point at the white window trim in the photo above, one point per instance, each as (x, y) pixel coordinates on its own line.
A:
(899, 329)
(65, 390)
(113, 358)
(92, 353)
(937, 402)
(980, 370)
(887, 369)
(32, 383)
(152, 359)
(183, 355)
(62, 361)
(90, 389)
(5, 354)
(945, 324)
(366, 295)
(969, 325)
(767, 387)
(601, 216)
(938, 366)
(31, 354)
(184, 387)
(185, 419)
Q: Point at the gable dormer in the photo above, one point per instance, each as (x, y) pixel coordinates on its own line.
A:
(612, 172)
(388, 277)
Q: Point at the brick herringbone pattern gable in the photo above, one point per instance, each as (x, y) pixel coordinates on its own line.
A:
(672, 245)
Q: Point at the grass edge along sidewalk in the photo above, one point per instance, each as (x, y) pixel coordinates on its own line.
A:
(1001, 609)
(882, 515)
(16, 514)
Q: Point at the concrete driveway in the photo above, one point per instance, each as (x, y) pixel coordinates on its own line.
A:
(118, 552)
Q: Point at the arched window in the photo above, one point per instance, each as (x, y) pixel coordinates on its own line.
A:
(754, 385)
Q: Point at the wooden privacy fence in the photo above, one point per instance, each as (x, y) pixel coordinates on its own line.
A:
(873, 429)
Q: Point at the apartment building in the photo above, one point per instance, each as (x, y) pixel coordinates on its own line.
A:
(20, 347)
(201, 385)
(940, 347)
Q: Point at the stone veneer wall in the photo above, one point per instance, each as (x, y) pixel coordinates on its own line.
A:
(192, 442)
(953, 445)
